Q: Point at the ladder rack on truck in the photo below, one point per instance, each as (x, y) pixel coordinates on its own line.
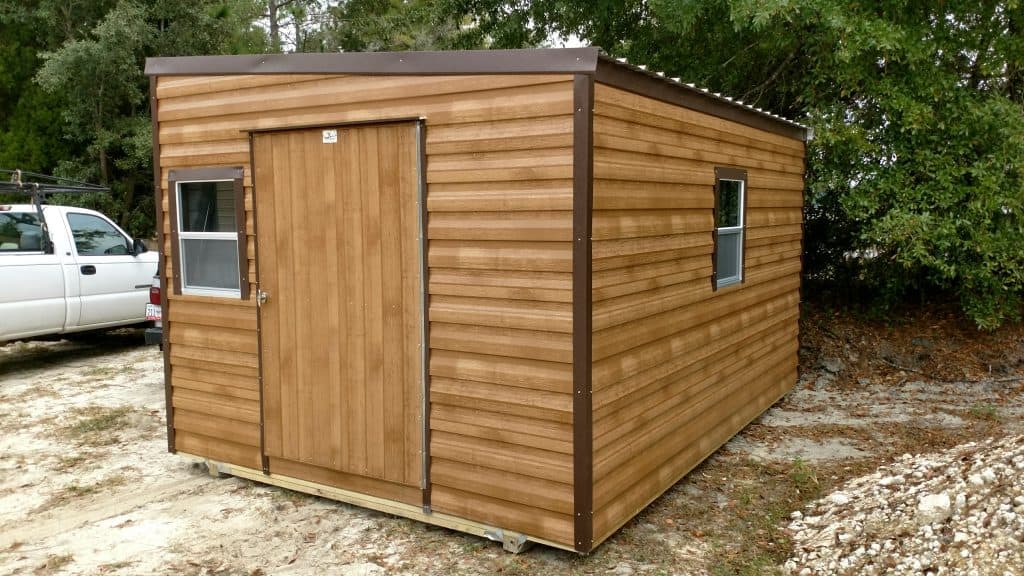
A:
(39, 188)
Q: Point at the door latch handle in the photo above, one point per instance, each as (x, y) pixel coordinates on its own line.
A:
(261, 297)
(88, 270)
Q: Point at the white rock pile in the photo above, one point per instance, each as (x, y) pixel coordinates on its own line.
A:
(956, 512)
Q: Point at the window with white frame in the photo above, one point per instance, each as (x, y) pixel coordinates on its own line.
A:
(208, 237)
(730, 200)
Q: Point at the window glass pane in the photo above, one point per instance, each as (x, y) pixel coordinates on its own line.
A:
(20, 232)
(207, 207)
(94, 236)
(729, 246)
(210, 263)
(729, 193)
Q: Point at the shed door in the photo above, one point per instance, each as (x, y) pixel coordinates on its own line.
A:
(339, 260)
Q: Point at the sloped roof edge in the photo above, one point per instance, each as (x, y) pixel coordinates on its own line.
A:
(588, 60)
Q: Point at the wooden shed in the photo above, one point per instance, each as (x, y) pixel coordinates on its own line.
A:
(514, 293)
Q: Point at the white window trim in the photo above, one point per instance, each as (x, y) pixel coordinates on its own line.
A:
(737, 278)
(183, 236)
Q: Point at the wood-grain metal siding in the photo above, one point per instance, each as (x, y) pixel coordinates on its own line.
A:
(679, 368)
(499, 176)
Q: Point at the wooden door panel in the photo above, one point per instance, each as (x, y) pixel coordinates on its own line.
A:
(339, 254)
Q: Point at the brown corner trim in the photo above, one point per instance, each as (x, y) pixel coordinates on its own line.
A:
(161, 265)
(582, 305)
(623, 77)
(462, 62)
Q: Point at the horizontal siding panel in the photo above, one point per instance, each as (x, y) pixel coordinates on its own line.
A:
(631, 195)
(525, 256)
(219, 357)
(236, 431)
(510, 196)
(514, 458)
(757, 217)
(767, 198)
(634, 306)
(650, 107)
(648, 284)
(555, 431)
(518, 134)
(531, 226)
(522, 102)
(218, 389)
(613, 224)
(205, 375)
(611, 165)
(644, 455)
(454, 391)
(538, 345)
(645, 409)
(217, 449)
(500, 484)
(517, 372)
(614, 402)
(524, 519)
(335, 90)
(615, 368)
(683, 152)
(697, 133)
(712, 431)
(216, 405)
(502, 407)
(505, 284)
(215, 338)
(501, 435)
(176, 86)
(647, 132)
(546, 316)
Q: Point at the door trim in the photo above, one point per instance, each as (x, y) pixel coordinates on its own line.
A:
(421, 142)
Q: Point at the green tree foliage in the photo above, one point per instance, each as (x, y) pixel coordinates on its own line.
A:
(81, 106)
(914, 178)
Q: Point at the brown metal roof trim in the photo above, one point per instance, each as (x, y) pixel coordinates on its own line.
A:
(582, 307)
(588, 60)
(456, 62)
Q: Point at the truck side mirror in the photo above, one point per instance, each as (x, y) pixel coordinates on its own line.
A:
(138, 247)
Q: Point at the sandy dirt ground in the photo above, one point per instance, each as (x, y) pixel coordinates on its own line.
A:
(87, 485)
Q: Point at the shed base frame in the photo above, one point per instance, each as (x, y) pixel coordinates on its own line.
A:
(511, 541)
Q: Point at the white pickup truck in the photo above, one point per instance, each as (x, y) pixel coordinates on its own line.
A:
(77, 272)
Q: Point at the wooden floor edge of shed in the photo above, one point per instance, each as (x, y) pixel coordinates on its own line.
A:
(599, 539)
(510, 540)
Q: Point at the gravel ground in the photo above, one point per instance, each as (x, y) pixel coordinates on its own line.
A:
(956, 512)
(87, 487)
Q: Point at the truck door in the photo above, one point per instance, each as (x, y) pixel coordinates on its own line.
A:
(31, 283)
(114, 283)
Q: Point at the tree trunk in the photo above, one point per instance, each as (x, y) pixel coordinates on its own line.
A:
(275, 27)
(104, 174)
